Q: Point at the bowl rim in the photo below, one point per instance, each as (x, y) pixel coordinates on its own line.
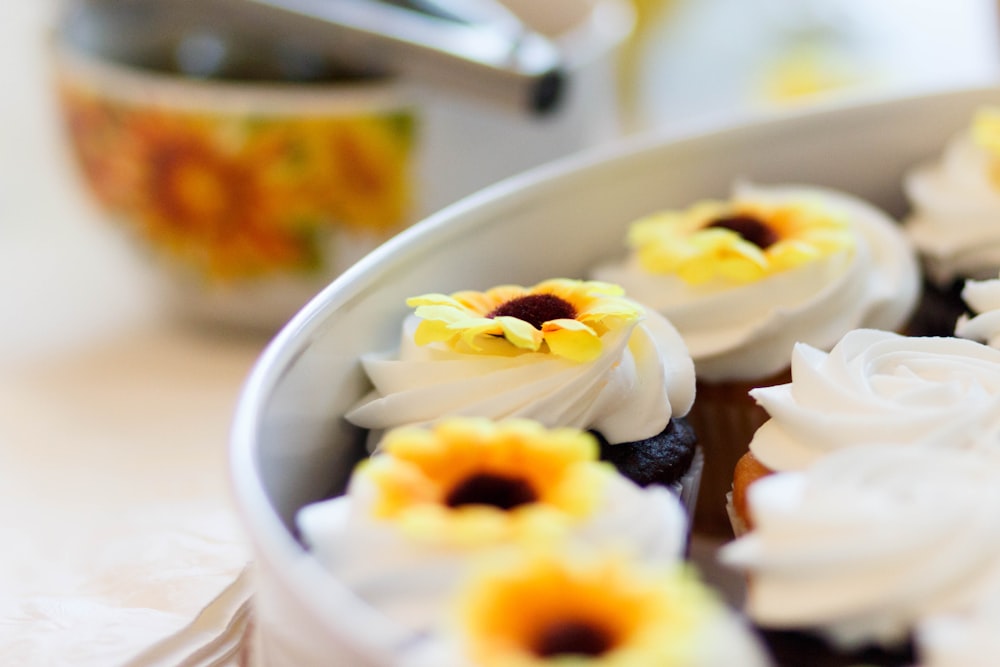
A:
(147, 87)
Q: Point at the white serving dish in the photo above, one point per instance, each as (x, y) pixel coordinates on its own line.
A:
(290, 445)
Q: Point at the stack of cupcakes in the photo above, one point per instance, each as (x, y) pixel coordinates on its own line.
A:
(526, 499)
(537, 452)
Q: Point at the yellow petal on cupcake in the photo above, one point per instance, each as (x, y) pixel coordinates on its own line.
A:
(565, 318)
(473, 481)
(986, 134)
(542, 608)
(737, 242)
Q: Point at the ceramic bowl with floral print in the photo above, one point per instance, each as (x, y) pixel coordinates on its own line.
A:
(250, 194)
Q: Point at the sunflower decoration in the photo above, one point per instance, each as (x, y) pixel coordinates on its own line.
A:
(573, 609)
(986, 134)
(738, 242)
(471, 481)
(562, 317)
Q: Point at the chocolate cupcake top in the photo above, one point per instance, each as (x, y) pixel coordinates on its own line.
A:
(744, 279)
(562, 352)
(955, 201)
(432, 499)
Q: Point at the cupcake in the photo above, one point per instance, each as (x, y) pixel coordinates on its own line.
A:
(419, 510)
(595, 608)
(744, 280)
(955, 201)
(873, 386)
(869, 541)
(562, 352)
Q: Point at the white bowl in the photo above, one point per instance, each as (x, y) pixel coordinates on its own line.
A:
(290, 445)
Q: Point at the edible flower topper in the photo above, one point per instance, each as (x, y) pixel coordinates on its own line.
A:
(471, 481)
(737, 242)
(986, 134)
(574, 609)
(563, 317)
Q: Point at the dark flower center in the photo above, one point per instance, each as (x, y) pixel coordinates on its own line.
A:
(499, 491)
(573, 638)
(535, 309)
(750, 228)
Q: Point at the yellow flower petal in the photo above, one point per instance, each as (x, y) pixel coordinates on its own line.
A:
(986, 129)
(520, 333)
(572, 340)
(515, 608)
(701, 245)
(510, 319)
(433, 300)
(469, 481)
(432, 331)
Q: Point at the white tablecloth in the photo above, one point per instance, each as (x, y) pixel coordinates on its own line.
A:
(121, 546)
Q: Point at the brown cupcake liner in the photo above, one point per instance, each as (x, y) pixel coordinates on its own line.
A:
(724, 417)
(937, 310)
(688, 485)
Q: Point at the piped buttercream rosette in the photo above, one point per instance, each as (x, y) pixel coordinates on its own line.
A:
(876, 386)
(868, 541)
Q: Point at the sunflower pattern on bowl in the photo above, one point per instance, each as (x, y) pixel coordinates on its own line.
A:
(230, 195)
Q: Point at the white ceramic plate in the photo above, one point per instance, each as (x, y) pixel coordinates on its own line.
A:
(290, 445)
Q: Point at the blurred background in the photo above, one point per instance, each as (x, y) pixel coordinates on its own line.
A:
(156, 229)
(74, 138)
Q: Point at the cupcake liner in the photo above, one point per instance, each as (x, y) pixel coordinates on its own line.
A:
(736, 522)
(688, 485)
(938, 310)
(724, 417)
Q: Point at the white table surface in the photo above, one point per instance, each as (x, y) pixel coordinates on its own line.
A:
(114, 498)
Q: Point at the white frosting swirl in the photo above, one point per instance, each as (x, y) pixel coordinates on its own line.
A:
(955, 208)
(876, 386)
(983, 297)
(968, 639)
(643, 377)
(747, 332)
(868, 541)
(411, 580)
